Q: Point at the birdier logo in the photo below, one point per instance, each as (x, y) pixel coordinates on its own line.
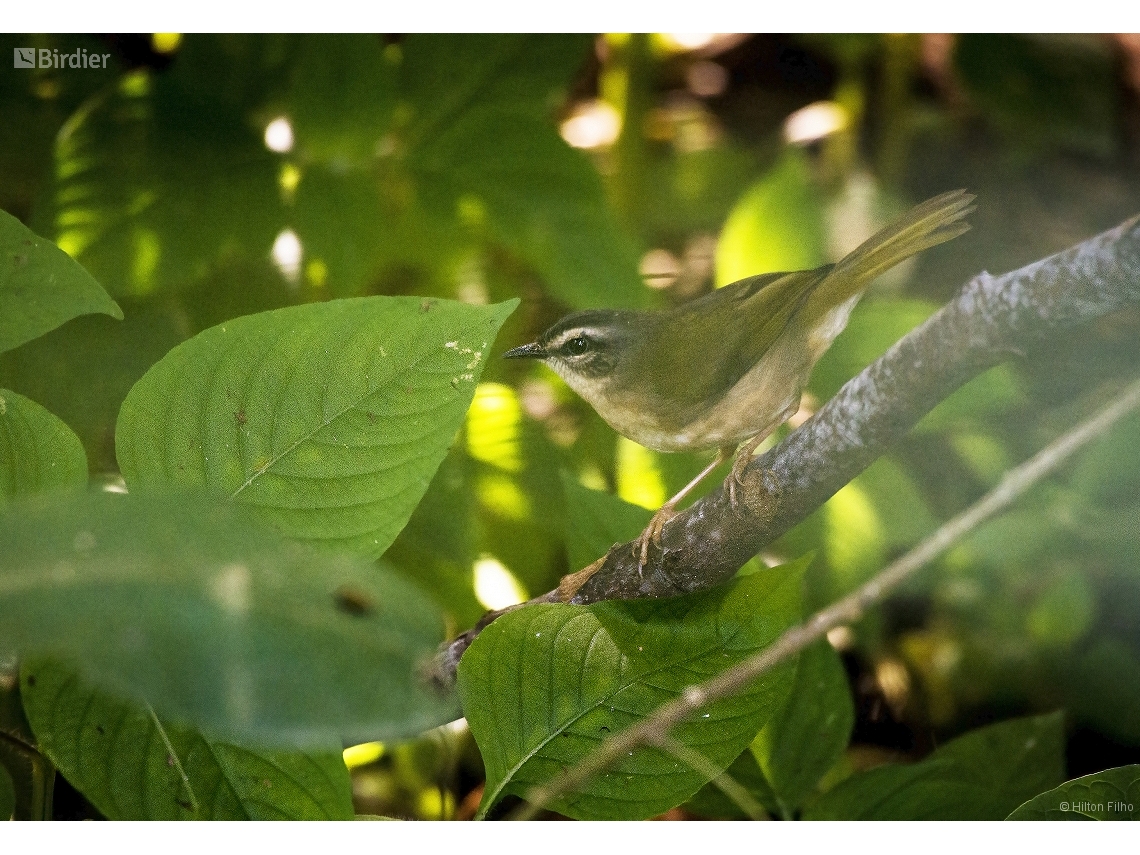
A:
(26, 57)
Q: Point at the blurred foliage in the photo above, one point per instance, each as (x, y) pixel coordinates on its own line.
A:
(432, 167)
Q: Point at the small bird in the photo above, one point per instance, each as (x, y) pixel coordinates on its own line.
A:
(725, 370)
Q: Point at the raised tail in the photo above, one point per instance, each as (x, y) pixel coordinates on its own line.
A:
(933, 222)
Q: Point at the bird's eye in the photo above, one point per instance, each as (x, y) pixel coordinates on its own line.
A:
(577, 345)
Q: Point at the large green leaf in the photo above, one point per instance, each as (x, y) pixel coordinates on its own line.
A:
(38, 452)
(543, 686)
(195, 607)
(803, 741)
(329, 418)
(982, 775)
(41, 287)
(130, 765)
(1107, 795)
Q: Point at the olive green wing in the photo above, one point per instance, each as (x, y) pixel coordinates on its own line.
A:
(708, 344)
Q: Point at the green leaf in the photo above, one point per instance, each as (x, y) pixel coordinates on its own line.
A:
(131, 765)
(41, 287)
(803, 741)
(982, 775)
(38, 452)
(215, 621)
(159, 179)
(328, 418)
(711, 802)
(1111, 794)
(514, 176)
(544, 685)
(595, 521)
(777, 225)
(7, 795)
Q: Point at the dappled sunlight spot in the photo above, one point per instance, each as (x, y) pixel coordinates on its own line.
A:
(144, 260)
(501, 495)
(690, 41)
(434, 803)
(287, 253)
(706, 79)
(591, 477)
(288, 180)
(841, 638)
(985, 456)
(814, 122)
(317, 273)
(659, 268)
(594, 124)
(279, 135)
(639, 479)
(853, 534)
(165, 42)
(230, 588)
(136, 84)
(894, 680)
(495, 586)
(493, 426)
(363, 754)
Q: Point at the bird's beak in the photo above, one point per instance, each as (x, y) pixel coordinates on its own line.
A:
(534, 350)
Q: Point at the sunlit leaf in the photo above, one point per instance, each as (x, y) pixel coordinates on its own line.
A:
(982, 775)
(777, 225)
(38, 452)
(216, 621)
(803, 741)
(329, 418)
(543, 686)
(41, 287)
(131, 765)
(1113, 794)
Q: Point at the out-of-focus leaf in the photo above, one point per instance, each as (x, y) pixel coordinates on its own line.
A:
(776, 226)
(342, 97)
(130, 765)
(984, 774)
(329, 418)
(874, 325)
(996, 392)
(38, 452)
(216, 621)
(1109, 795)
(41, 287)
(514, 177)
(542, 686)
(711, 802)
(1064, 611)
(803, 741)
(595, 521)
(155, 184)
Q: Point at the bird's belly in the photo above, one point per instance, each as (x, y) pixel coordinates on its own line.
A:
(762, 400)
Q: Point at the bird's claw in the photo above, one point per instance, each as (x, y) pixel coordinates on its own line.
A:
(652, 533)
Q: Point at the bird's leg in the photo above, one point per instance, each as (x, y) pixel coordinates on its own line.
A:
(743, 458)
(669, 510)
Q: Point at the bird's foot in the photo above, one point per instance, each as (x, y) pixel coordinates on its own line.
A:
(652, 534)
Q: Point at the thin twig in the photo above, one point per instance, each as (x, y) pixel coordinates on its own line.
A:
(698, 762)
(651, 729)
